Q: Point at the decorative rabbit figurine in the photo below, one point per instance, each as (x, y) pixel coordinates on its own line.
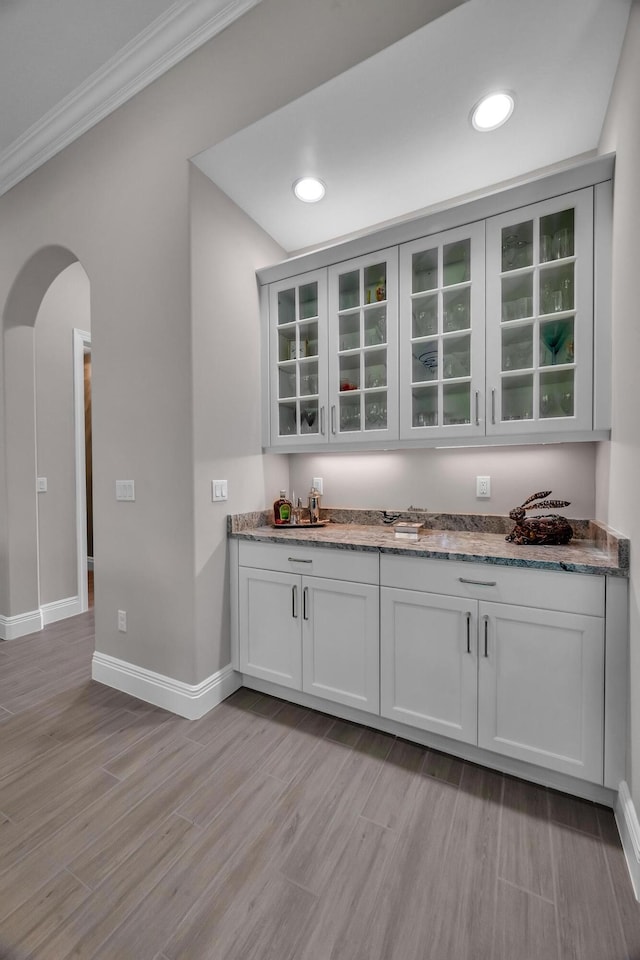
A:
(550, 528)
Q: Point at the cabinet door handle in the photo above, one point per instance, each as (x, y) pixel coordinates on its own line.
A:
(322, 420)
(477, 408)
(298, 560)
(468, 616)
(493, 406)
(486, 635)
(305, 599)
(333, 418)
(478, 583)
(294, 602)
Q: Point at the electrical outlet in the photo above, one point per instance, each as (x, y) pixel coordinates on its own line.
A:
(318, 484)
(122, 621)
(483, 486)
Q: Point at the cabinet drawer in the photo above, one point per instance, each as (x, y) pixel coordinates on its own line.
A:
(551, 590)
(360, 567)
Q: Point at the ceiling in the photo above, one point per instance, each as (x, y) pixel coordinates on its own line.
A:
(392, 135)
(65, 65)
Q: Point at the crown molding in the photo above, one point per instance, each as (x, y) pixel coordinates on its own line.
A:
(184, 27)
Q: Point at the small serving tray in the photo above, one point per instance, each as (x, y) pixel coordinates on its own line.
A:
(296, 526)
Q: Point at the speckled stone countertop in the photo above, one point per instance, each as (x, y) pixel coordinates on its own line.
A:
(479, 538)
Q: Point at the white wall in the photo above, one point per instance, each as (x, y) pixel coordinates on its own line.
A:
(445, 480)
(620, 459)
(65, 305)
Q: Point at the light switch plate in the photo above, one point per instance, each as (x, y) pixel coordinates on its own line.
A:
(125, 490)
(41, 484)
(219, 490)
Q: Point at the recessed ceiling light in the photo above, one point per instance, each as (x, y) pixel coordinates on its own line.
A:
(309, 189)
(492, 111)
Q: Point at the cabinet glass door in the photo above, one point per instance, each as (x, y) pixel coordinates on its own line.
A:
(442, 334)
(539, 317)
(297, 311)
(363, 348)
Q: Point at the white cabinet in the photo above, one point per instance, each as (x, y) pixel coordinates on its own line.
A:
(540, 317)
(442, 341)
(533, 678)
(308, 631)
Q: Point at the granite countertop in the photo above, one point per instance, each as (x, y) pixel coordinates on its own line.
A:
(594, 549)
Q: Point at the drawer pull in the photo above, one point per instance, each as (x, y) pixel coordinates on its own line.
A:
(468, 616)
(294, 602)
(305, 597)
(478, 583)
(298, 560)
(486, 635)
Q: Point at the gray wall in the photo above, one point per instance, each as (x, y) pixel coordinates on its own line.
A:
(619, 461)
(65, 305)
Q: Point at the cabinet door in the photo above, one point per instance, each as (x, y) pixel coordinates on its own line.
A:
(363, 348)
(269, 626)
(428, 662)
(541, 687)
(298, 360)
(540, 317)
(340, 647)
(442, 335)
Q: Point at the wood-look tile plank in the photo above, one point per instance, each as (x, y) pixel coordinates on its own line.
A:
(345, 732)
(574, 812)
(588, 922)
(286, 759)
(395, 791)
(35, 922)
(525, 843)
(525, 926)
(628, 906)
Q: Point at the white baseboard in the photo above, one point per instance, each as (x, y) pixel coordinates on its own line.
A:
(629, 829)
(187, 700)
(19, 626)
(60, 610)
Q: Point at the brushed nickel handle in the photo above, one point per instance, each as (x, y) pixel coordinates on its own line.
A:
(333, 418)
(468, 616)
(477, 408)
(298, 560)
(294, 602)
(486, 635)
(493, 405)
(305, 598)
(478, 583)
(322, 420)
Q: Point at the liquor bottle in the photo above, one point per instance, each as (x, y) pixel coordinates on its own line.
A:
(282, 509)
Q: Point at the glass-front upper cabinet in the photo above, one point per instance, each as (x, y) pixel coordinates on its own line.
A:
(363, 348)
(298, 360)
(540, 317)
(442, 335)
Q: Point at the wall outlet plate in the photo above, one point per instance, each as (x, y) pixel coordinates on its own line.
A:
(483, 487)
(317, 482)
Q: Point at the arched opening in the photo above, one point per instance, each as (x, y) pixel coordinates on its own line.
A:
(24, 363)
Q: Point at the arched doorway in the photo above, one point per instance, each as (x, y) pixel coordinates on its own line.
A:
(20, 592)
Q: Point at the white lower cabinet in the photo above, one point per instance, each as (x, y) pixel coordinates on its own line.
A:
(521, 681)
(312, 633)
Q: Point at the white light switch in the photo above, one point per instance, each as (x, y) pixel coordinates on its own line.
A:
(41, 484)
(125, 490)
(219, 490)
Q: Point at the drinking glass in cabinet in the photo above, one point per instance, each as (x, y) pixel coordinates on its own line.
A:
(557, 342)
(456, 309)
(287, 422)
(425, 316)
(349, 331)
(456, 357)
(286, 306)
(557, 235)
(308, 300)
(349, 414)
(456, 403)
(424, 407)
(309, 417)
(517, 246)
(517, 297)
(425, 362)
(375, 368)
(424, 271)
(557, 394)
(517, 348)
(375, 327)
(375, 412)
(456, 262)
(349, 290)
(517, 397)
(375, 283)
(308, 380)
(349, 373)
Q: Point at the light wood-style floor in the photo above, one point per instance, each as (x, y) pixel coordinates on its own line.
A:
(268, 832)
